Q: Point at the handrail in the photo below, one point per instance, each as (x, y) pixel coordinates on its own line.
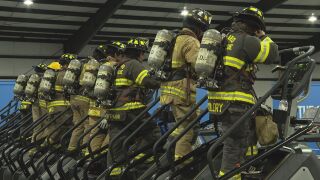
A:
(112, 141)
(126, 141)
(177, 124)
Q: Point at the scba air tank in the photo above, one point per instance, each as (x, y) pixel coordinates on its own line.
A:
(104, 78)
(47, 82)
(32, 85)
(20, 84)
(160, 47)
(72, 72)
(90, 73)
(208, 53)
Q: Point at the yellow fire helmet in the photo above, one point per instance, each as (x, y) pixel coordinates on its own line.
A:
(55, 66)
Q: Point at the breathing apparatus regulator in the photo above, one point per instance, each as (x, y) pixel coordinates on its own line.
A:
(46, 87)
(208, 56)
(87, 81)
(103, 85)
(20, 85)
(32, 87)
(70, 79)
(160, 53)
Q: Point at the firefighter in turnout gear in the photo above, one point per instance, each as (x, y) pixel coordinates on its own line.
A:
(131, 79)
(80, 103)
(38, 106)
(179, 90)
(245, 46)
(19, 93)
(113, 54)
(59, 103)
(43, 103)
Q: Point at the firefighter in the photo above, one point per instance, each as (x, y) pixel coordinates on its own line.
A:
(80, 103)
(19, 93)
(179, 90)
(38, 106)
(58, 103)
(113, 53)
(246, 46)
(131, 76)
(25, 103)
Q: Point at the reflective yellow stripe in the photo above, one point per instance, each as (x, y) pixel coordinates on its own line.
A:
(177, 131)
(24, 105)
(141, 76)
(58, 88)
(264, 50)
(232, 96)
(104, 151)
(253, 151)
(139, 156)
(163, 91)
(116, 171)
(82, 98)
(235, 177)
(129, 106)
(233, 62)
(175, 91)
(58, 103)
(42, 103)
(123, 82)
(177, 63)
(150, 159)
(95, 112)
(26, 102)
(187, 161)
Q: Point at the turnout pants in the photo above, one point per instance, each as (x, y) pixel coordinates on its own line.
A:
(54, 128)
(38, 112)
(180, 95)
(184, 145)
(101, 137)
(80, 109)
(147, 136)
(235, 146)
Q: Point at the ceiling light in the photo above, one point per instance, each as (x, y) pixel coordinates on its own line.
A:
(312, 18)
(184, 12)
(28, 2)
